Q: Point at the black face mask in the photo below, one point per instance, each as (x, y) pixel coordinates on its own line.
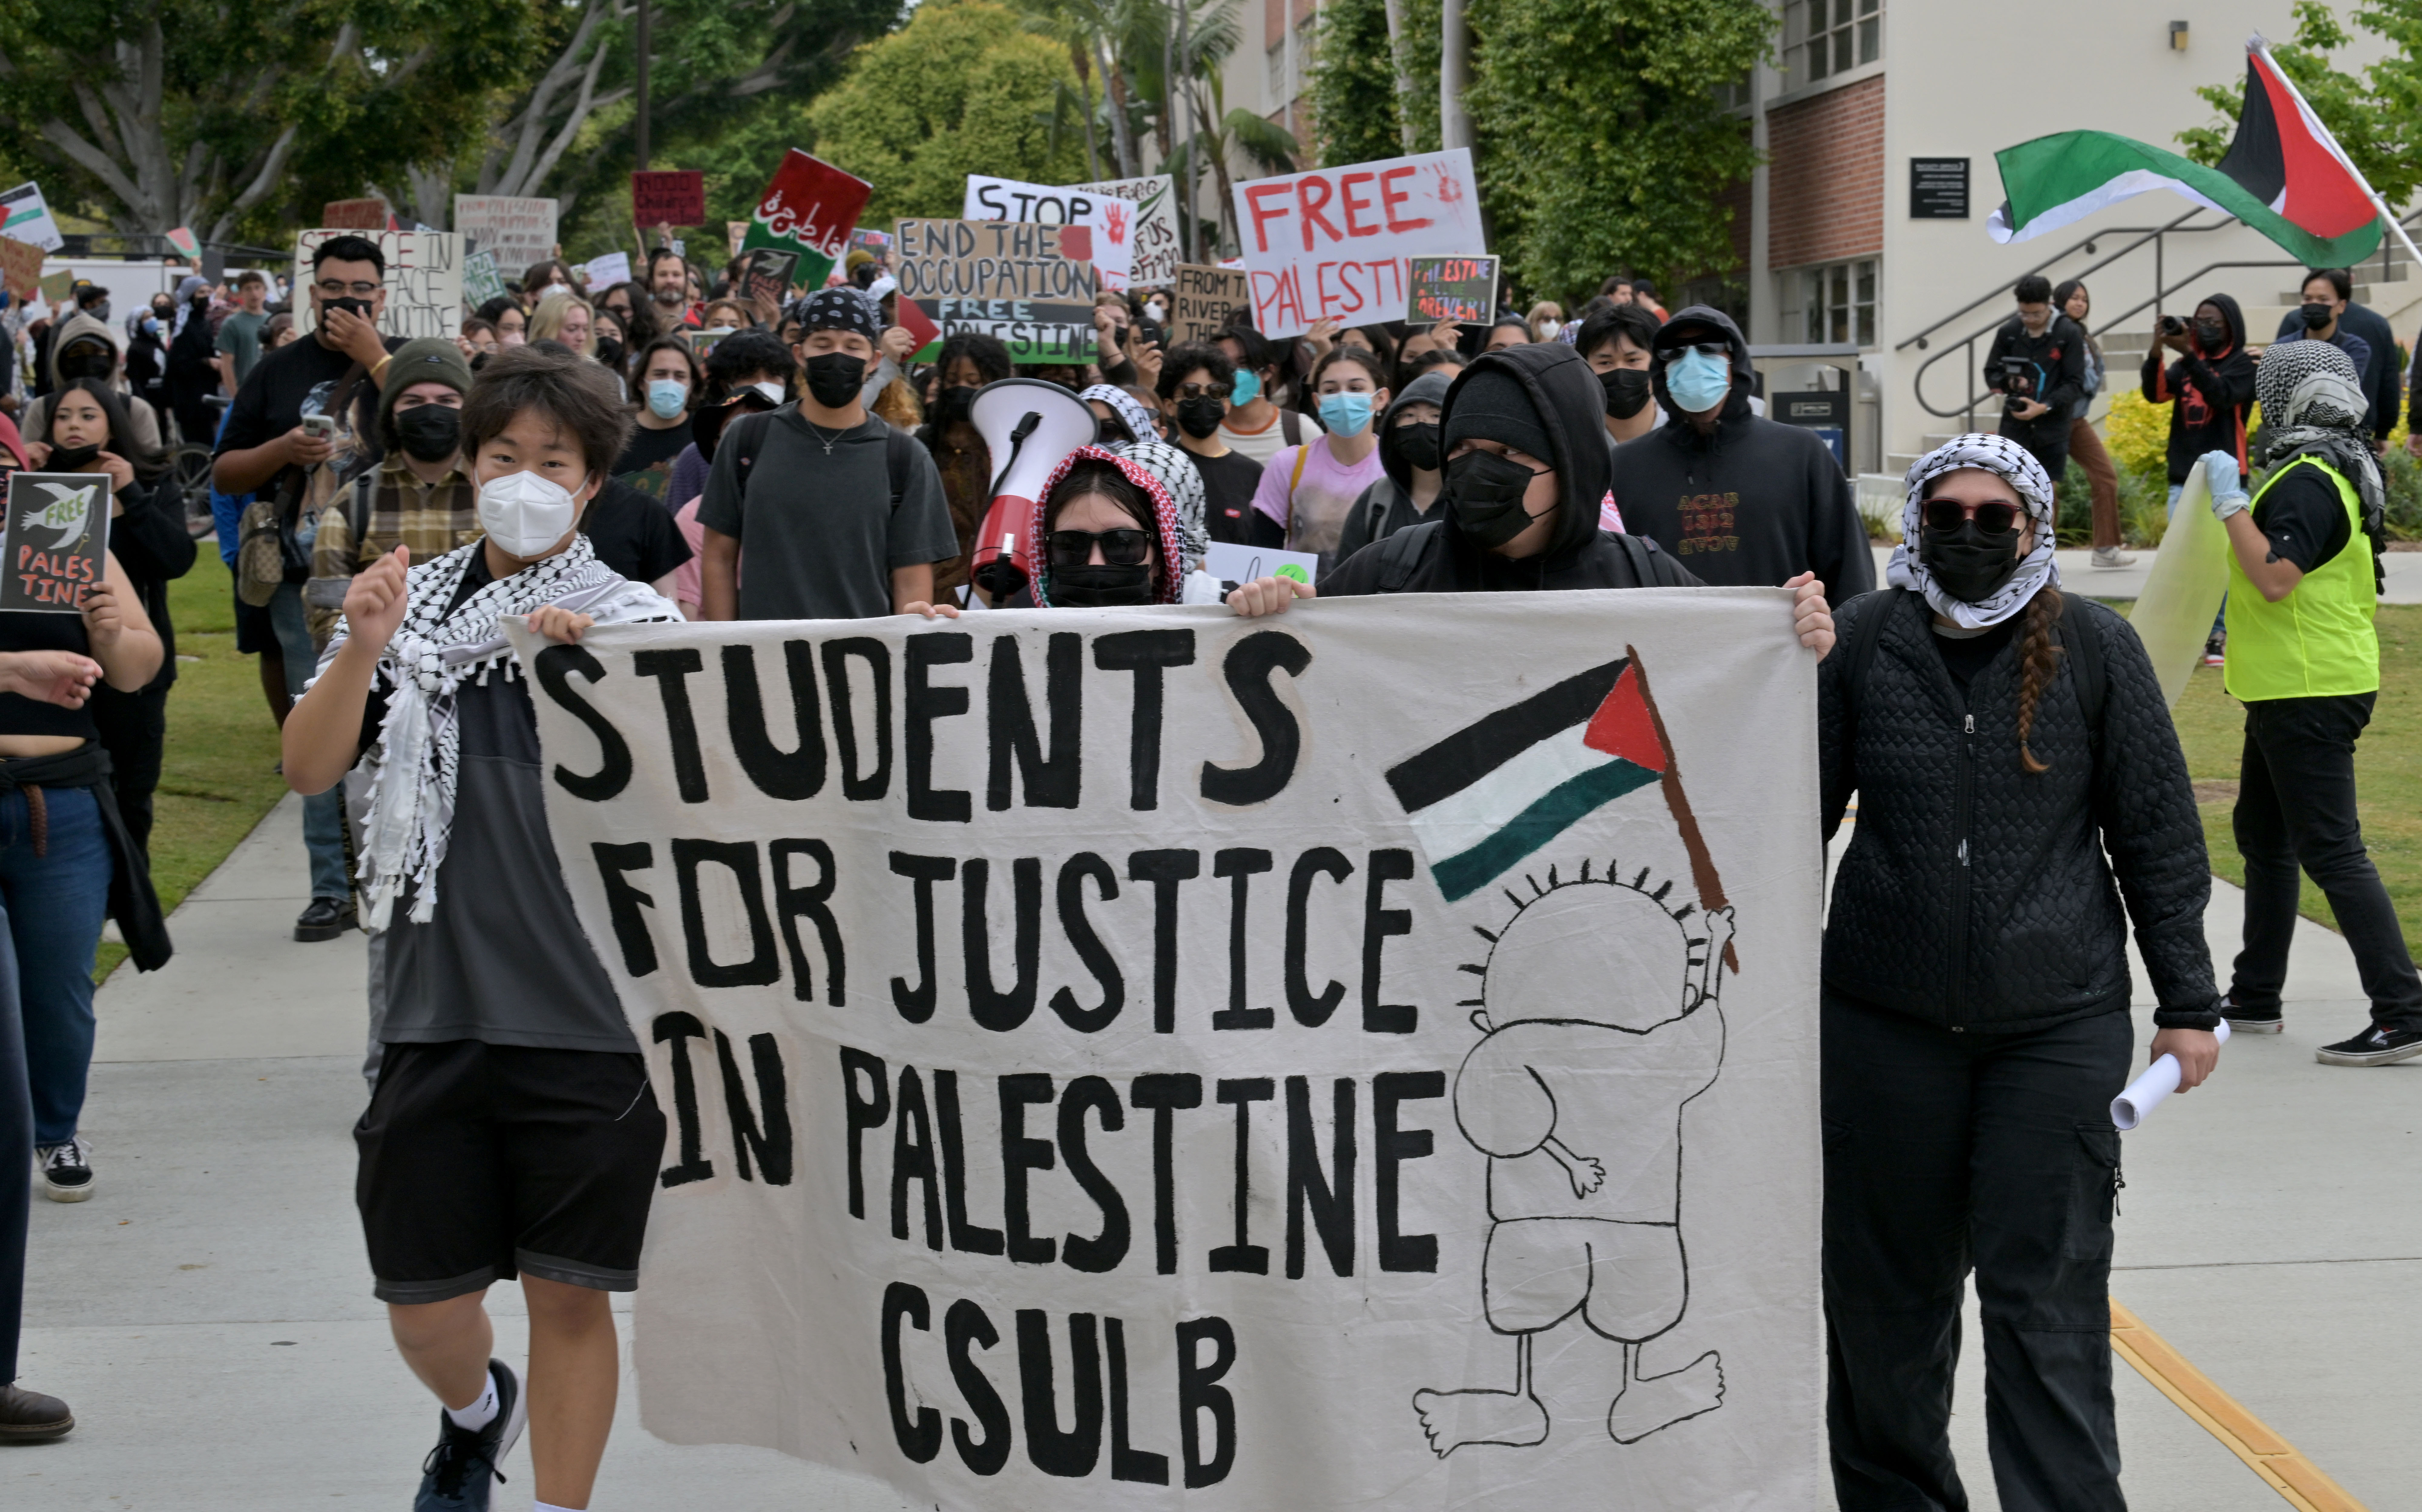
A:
(1418, 444)
(1103, 587)
(834, 378)
(1200, 417)
(2317, 315)
(80, 365)
(1970, 564)
(69, 459)
(1627, 391)
(955, 404)
(350, 306)
(430, 432)
(1486, 492)
(609, 352)
(2211, 335)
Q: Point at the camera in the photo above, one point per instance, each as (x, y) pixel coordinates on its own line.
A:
(2171, 326)
(2018, 381)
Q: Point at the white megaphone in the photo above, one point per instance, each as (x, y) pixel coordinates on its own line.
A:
(1030, 427)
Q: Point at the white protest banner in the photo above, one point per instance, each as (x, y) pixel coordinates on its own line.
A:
(516, 231)
(1110, 217)
(25, 217)
(1330, 243)
(424, 280)
(1100, 1047)
(603, 273)
(1153, 264)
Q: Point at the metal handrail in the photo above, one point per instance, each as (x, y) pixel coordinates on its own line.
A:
(2087, 245)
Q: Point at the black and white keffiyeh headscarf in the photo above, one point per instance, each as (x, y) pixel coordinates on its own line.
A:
(1174, 467)
(2011, 461)
(2313, 404)
(433, 654)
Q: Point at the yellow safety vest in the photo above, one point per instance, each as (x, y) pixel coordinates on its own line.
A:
(2317, 642)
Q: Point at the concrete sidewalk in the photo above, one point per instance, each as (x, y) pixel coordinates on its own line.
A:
(209, 1313)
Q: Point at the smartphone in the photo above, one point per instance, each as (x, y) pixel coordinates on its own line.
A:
(319, 427)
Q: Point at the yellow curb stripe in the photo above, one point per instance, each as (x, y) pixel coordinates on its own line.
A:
(2278, 1462)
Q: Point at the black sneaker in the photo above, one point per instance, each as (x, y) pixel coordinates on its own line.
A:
(29, 1417)
(2252, 1020)
(460, 1471)
(327, 918)
(66, 1171)
(2373, 1047)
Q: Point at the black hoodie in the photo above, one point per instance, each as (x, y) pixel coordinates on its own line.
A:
(2213, 392)
(1435, 556)
(1386, 506)
(1748, 504)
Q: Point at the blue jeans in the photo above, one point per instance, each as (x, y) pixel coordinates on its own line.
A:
(323, 813)
(16, 1157)
(56, 903)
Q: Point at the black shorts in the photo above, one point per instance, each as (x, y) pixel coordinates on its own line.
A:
(254, 632)
(481, 1162)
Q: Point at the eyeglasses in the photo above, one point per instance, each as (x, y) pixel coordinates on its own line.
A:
(1705, 349)
(1205, 390)
(1120, 548)
(336, 287)
(1995, 518)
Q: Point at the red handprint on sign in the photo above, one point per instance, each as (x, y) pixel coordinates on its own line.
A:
(1114, 223)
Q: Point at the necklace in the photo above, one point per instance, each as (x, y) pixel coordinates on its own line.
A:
(820, 434)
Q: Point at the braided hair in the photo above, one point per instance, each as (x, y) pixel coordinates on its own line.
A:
(2038, 660)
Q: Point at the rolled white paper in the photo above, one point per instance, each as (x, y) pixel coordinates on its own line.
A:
(2145, 1093)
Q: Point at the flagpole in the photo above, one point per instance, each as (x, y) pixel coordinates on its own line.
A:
(2258, 43)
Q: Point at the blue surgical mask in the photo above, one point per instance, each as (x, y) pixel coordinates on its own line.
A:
(1346, 414)
(668, 398)
(1247, 388)
(1697, 381)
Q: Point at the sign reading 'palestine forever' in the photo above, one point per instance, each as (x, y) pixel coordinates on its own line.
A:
(1029, 284)
(1132, 1058)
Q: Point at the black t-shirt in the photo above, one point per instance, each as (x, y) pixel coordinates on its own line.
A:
(632, 533)
(299, 378)
(1965, 656)
(2303, 516)
(1228, 512)
(647, 463)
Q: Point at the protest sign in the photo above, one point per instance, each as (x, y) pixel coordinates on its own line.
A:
(1463, 289)
(21, 269)
(57, 287)
(1029, 284)
(55, 540)
(1330, 243)
(735, 232)
(355, 215)
(1203, 299)
(1110, 218)
(515, 231)
(27, 218)
(767, 273)
(601, 273)
(424, 280)
(187, 245)
(1234, 563)
(808, 208)
(1098, 1048)
(877, 244)
(481, 279)
(669, 197)
(1154, 262)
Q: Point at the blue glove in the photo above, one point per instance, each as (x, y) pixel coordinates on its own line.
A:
(2228, 486)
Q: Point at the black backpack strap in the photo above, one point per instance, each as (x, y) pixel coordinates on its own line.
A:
(1641, 555)
(1399, 554)
(357, 508)
(899, 456)
(1291, 427)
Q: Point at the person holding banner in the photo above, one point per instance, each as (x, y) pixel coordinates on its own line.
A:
(514, 1131)
(2002, 740)
(2305, 574)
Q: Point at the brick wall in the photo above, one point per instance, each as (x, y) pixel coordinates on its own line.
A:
(1825, 176)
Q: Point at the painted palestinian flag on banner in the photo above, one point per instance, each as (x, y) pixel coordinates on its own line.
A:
(2284, 175)
(1495, 792)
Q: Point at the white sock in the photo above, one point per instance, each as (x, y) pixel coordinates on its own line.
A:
(550, 1507)
(478, 1414)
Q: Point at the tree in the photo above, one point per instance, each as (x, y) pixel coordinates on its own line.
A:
(2374, 117)
(1363, 105)
(1601, 146)
(962, 88)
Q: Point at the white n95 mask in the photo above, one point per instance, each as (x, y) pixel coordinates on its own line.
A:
(525, 512)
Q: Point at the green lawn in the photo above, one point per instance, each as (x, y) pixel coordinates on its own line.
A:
(2388, 768)
(218, 775)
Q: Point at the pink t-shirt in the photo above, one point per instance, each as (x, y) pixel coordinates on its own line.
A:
(1314, 516)
(686, 587)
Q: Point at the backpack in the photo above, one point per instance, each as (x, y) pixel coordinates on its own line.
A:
(2077, 634)
(899, 450)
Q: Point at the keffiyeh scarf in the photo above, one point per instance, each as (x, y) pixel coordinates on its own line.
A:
(430, 659)
(1173, 466)
(2011, 461)
(1168, 579)
(2313, 405)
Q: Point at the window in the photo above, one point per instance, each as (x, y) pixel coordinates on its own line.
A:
(1839, 300)
(1278, 75)
(1829, 36)
(1739, 94)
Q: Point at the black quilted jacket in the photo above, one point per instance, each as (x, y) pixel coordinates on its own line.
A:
(1976, 895)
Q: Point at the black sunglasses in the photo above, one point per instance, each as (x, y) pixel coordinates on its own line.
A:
(1705, 349)
(1120, 548)
(1992, 519)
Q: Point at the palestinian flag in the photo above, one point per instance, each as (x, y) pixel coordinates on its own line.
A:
(2284, 175)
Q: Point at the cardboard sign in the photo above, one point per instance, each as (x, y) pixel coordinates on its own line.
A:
(1124, 1060)
(1330, 243)
(20, 268)
(808, 208)
(1023, 282)
(517, 232)
(1203, 299)
(1451, 289)
(25, 218)
(669, 197)
(1110, 219)
(56, 534)
(424, 280)
(604, 273)
(1154, 262)
(481, 280)
(355, 215)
